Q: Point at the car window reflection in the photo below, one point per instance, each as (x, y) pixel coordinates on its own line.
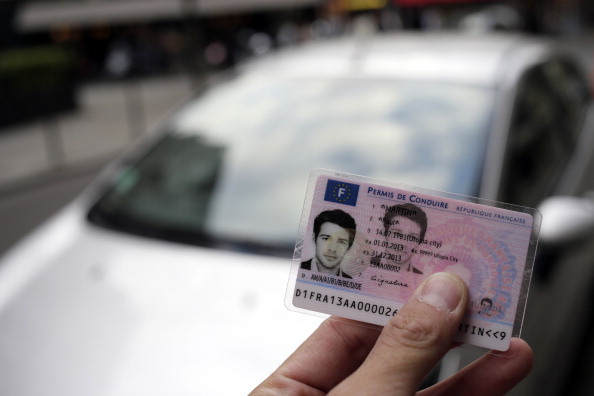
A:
(236, 164)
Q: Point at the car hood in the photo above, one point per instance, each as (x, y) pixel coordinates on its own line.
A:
(89, 311)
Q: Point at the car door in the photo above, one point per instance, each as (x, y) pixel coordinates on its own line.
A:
(544, 157)
(549, 111)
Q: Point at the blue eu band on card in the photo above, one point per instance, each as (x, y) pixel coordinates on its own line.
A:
(365, 245)
(341, 192)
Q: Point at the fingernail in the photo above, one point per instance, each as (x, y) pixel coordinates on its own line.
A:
(441, 291)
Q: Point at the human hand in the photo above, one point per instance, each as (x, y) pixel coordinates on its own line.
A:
(343, 357)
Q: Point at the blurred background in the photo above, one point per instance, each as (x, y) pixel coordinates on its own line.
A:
(80, 79)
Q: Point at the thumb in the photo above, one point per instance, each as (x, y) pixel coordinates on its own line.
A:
(413, 341)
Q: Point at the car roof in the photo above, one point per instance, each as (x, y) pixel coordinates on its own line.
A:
(482, 60)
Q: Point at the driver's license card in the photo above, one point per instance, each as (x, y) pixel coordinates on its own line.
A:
(365, 245)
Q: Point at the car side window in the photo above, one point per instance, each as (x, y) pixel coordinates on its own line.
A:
(548, 113)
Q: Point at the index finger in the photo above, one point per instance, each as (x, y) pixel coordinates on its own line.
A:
(334, 351)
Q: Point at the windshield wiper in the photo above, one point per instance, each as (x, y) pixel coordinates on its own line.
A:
(123, 222)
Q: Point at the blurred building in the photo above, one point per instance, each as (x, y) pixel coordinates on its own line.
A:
(48, 46)
(130, 37)
(537, 16)
(119, 38)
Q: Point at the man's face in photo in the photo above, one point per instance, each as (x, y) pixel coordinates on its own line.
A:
(332, 244)
(405, 227)
(485, 307)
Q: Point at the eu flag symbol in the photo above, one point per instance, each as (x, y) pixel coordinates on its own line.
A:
(341, 192)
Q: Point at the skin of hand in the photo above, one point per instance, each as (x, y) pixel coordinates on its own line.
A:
(344, 357)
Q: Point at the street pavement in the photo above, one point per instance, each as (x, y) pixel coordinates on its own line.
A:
(46, 163)
(110, 115)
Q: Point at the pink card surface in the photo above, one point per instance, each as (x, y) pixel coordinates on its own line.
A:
(365, 245)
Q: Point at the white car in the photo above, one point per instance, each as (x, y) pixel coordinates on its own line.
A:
(168, 275)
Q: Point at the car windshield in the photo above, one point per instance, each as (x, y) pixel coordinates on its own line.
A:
(233, 168)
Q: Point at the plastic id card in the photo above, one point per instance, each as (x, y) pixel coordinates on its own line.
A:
(365, 245)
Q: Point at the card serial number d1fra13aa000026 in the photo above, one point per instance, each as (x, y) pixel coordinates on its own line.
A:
(365, 245)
